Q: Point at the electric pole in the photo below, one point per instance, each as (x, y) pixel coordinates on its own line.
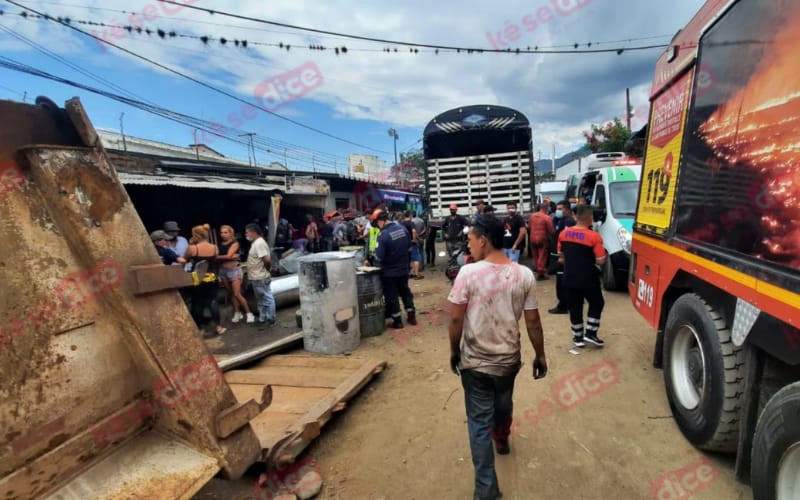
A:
(393, 133)
(196, 151)
(250, 148)
(628, 108)
(122, 131)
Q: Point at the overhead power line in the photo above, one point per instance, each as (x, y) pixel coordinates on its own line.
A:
(298, 152)
(409, 44)
(277, 149)
(66, 62)
(227, 41)
(11, 90)
(197, 81)
(292, 33)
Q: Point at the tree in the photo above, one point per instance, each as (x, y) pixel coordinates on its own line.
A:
(607, 138)
(410, 172)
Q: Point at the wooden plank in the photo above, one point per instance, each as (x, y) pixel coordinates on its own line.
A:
(237, 416)
(271, 427)
(311, 361)
(289, 376)
(345, 391)
(296, 400)
(156, 277)
(321, 413)
(305, 397)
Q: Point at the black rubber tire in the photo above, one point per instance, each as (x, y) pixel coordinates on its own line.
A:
(778, 429)
(609, 278)
(714, 424)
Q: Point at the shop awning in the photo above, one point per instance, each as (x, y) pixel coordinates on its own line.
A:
(198, 181)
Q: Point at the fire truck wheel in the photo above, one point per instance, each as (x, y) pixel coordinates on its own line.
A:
(703, 374)
(775, 470)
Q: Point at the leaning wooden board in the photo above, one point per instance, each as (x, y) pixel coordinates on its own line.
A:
(306, 390)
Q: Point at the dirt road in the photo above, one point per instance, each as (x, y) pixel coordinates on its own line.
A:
(598, 426)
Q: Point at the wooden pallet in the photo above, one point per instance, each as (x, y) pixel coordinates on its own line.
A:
(307, 389)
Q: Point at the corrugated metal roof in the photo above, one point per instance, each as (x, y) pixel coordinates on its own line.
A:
(198, 182)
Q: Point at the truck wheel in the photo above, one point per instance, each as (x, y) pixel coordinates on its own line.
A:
(703, 375)
(609, 279)
(775, 473)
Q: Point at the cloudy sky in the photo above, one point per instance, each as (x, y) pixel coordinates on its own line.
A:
(356, 96)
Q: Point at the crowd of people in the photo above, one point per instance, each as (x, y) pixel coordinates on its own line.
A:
(484, 331)
(223, 256)
(226, 256)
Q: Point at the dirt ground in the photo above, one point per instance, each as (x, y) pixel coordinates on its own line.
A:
(405, 437)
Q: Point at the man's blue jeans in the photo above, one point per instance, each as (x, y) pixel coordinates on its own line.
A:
(264, 300)
(489, 403)
(512, 254)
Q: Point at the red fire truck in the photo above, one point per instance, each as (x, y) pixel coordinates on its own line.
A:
(715, 265)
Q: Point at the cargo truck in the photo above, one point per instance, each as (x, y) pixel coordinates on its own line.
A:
(553, 190)
(715, 265)
(478, 152)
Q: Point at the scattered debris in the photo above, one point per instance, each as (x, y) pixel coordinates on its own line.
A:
(444, 407)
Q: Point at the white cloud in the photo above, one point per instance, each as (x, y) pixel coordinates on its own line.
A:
(560, 94)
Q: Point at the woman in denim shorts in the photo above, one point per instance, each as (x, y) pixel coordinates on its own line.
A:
(231, 274)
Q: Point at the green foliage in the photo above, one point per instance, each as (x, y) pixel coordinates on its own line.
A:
(410, 172)
(608, 137)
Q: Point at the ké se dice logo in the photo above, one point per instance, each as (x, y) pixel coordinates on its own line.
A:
(567, 7)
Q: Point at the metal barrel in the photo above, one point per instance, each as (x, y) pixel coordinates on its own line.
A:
(329, 303)
(371, 305)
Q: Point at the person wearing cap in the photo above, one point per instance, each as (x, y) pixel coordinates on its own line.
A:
(178, 244)
(162, 242)
(453, 229)
(372, 231)
(392, 256)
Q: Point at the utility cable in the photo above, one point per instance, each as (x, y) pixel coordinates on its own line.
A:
(66, 62)
(404, 43)
(189, 121)
(228, 41)
(199, 82)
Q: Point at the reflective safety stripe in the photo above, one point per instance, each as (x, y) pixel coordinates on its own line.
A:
(373, 239)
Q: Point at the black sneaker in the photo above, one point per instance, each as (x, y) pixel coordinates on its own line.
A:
(502, 447)
(592, 339)
(557, 310)
(578, 341)
(396, 325)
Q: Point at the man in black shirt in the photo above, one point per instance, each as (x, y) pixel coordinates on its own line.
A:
(581, 251)
(453, 229)
(430, 243)
(515, 233)
(562, 221)
(392, 255)
(327, 234)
